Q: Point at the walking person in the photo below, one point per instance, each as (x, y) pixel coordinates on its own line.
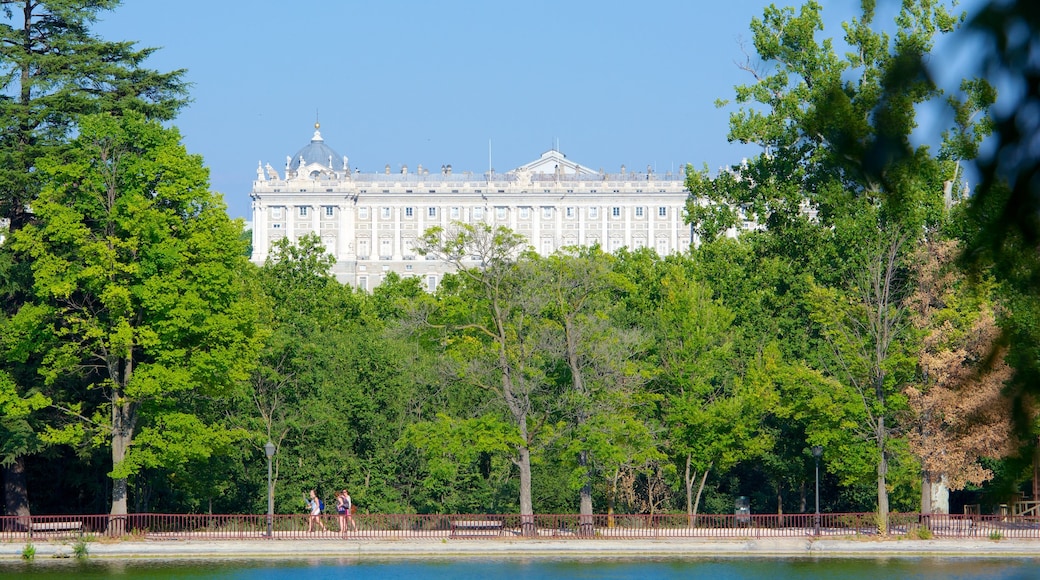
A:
(341, 510)
(314, 505)
(349, 505)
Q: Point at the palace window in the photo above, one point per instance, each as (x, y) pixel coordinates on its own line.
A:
(385, 212)
(454, 213)
(362, 213)
(525, 213)
(615, 211)
(500, 213)
(593, 212)
(431, 212)
(276, 212)
(329, 211)
(570, 212)
(639, 212)
(409, 212)
(662, 211)
(303, 211)
(478, 213)
(547, 213)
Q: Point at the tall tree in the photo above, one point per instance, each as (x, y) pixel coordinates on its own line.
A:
(600, 357)
(867, 334)
(960, 412)
(141, 268)
(501, 318)
(714, 417)
(52, 69)
(837, 160)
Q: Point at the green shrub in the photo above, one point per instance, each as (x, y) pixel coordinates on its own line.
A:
(28, 552)
(80, 549)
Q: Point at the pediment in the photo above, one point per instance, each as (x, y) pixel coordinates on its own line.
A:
(551, 162)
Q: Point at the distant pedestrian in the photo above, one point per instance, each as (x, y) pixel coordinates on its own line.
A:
(314, 506)
(349, 505)
(341, 511)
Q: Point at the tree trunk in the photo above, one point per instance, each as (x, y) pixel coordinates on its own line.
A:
(700, 490)
(926, 492)
(1036, 470)
(688, 479)
(526, 507)
(611, 498)
(882, 473)
(16, 493)
(122, 433)
(585, 523)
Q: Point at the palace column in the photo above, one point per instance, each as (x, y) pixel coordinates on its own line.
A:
(674, 217)
(558, 234)
(536, 228)
(259, 230)
(290, 222)
(628, 211)
(345, 230)
(395, 247)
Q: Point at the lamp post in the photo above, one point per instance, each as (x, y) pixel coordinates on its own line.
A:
(269, 450)
(817, 451)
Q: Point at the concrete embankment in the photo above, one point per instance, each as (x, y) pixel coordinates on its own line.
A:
(670, 548)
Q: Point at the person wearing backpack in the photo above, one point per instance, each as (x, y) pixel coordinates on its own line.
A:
(315, 506)
(341, 510)
(348, 509)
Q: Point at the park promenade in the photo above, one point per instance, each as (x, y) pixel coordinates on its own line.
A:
(210, 535)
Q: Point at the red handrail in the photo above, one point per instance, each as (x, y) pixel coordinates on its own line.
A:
(484, 526)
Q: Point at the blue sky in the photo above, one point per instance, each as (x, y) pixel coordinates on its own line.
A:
(433, 83)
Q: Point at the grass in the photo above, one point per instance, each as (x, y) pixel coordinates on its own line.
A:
(29, 552)
(923, 533)
(80, 549)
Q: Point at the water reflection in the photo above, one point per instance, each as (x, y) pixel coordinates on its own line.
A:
(526, 567)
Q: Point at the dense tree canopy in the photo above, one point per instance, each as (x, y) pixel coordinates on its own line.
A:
(144, 352)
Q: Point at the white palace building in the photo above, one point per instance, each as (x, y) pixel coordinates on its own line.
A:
(369, 221)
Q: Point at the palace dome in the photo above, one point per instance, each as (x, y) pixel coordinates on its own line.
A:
(318, 152)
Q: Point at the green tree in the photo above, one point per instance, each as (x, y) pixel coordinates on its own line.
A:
(600, 362)
(495, 333)
(837, 167)
(53, 69)
(141, 268)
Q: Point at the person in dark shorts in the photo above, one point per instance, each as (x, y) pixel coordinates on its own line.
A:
(341, 511)
(348, 506)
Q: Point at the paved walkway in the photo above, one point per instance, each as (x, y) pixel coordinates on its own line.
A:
(381, 549)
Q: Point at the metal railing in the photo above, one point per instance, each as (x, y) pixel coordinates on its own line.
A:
(483, 526)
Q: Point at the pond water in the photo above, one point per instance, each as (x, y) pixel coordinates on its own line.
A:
(522, 568)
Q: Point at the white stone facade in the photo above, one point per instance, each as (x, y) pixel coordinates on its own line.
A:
(369, 221)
